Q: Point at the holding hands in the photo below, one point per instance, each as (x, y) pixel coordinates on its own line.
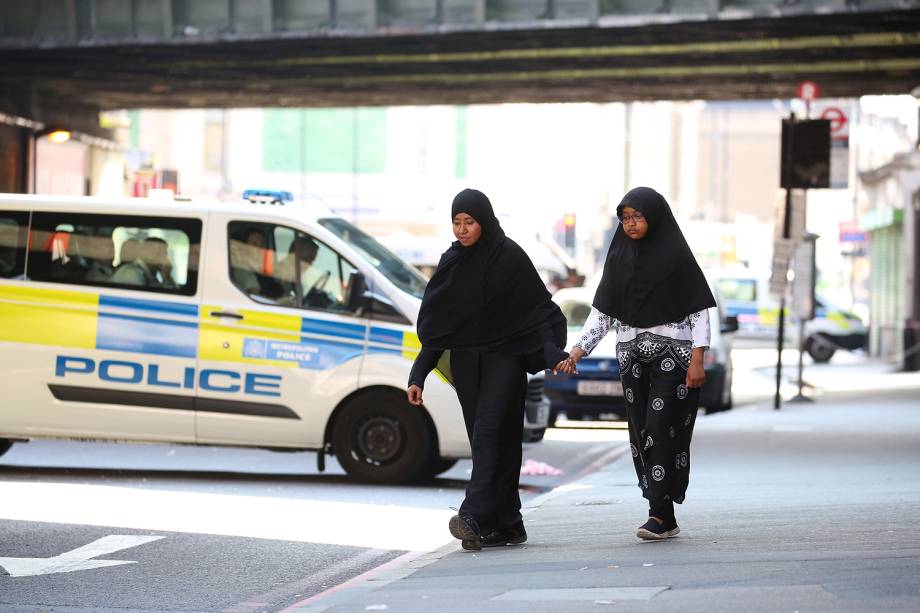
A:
(570, 365)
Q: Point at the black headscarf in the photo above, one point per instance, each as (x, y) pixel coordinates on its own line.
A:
(486, 295)
(654, 280)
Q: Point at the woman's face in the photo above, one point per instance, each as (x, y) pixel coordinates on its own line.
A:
(634, 223)
(466, 229)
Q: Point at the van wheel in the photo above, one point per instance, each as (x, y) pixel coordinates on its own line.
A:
(5, 445)
(534, 436)
(441, 465)
(820, 348)
(379, 438)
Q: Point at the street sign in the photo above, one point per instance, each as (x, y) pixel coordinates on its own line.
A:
(803, 285)
(783, 248)
(838, 112)
(807, 91)
(840, 125)
(850, 232)
(77, 559)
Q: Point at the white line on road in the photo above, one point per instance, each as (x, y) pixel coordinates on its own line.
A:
(349, 524)
(77, 559)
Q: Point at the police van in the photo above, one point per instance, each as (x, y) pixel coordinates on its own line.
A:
(167, 321)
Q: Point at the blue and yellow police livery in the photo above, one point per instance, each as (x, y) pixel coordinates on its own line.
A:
(235, 324)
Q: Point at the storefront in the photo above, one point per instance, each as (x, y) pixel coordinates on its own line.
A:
(892, 193)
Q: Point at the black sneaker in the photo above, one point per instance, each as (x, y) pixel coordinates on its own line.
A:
(653, 530)
(466, 528)
(499, 537)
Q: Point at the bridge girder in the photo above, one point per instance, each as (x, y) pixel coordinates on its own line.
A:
(846, 54)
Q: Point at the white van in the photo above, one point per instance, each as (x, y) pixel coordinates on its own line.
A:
(157, 320)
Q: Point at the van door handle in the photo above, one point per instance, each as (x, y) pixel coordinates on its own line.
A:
(230, 314)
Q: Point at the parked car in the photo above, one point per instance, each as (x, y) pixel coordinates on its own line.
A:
(596, 391)
(746, 295)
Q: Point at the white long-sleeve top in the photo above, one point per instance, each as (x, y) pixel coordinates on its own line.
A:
(693, 328)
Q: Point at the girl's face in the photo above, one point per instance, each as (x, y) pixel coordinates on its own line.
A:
(634, 223)
(466, 229)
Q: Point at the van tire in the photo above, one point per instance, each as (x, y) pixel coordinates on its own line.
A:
(820, 348)
(5, 445)
(534, 435)
(379, 438)
(441, 465)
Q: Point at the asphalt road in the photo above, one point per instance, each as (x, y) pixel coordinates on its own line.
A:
(217, 529)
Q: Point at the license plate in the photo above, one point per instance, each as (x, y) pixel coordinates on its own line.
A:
(600, 388)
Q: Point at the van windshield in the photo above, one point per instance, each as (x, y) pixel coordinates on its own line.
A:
(403, 275)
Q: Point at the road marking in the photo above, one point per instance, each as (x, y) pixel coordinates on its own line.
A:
(77, 559)
(357, 524)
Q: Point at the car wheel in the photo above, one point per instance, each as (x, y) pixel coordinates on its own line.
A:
(553, 416)
(378, 438)
(534, 436)
(820, 348)
(5, 445)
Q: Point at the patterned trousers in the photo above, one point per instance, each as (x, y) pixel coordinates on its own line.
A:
(661, 412)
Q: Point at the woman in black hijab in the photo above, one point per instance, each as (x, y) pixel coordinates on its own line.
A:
(488, 307)
(655, 295)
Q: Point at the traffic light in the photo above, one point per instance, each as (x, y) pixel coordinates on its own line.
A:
(568, 222)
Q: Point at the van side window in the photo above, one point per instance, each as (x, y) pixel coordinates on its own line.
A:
(14, 228)
(149, 254)
(279, 265)
(742, 290)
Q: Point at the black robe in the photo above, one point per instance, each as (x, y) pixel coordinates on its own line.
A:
(487, 297)
(654, 280)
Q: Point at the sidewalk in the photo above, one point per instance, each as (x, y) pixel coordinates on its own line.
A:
(810, 508)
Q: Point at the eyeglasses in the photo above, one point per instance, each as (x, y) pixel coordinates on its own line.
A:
(636, 217)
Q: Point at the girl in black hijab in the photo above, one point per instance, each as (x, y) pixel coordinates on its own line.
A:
(656, 296)
(488, 307)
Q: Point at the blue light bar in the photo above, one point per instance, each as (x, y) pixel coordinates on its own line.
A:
(267, 195)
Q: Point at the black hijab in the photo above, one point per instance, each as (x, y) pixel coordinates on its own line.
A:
(654, 280)
(486, 295)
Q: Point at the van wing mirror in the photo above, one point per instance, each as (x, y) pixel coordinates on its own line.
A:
(361, 301)
(383, 310)
(729, 323)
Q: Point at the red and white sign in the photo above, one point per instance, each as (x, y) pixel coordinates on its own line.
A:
(838, 111)
(840, 128)
(808, 91)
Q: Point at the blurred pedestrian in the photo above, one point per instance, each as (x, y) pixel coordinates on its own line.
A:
(488, 307)
(655, 295)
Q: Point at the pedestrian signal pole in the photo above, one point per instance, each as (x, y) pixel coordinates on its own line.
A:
(805, 163)
(786, 164)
